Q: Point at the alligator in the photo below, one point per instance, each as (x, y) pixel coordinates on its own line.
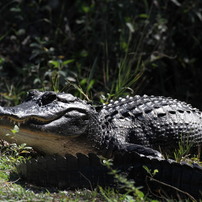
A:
(133, 131)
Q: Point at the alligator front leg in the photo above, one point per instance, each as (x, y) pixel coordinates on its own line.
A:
(140, 150)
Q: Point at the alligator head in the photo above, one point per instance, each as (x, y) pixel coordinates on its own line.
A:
(50, 122)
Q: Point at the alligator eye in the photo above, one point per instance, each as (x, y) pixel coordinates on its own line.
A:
(47, 98)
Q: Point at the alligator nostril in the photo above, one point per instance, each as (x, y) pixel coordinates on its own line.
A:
(31, 94)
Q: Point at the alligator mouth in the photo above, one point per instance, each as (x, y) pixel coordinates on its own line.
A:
(28, 120)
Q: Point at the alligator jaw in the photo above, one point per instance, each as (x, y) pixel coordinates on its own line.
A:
(48, 143)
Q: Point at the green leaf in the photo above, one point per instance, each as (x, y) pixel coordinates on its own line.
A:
(55, 63)
(85, 9)
(15, 129)
(2, 60)
(90, 85)
(66, 62)
(15, 9)
(155, 171)
(130, 27)
(144, 15)
(83, 81)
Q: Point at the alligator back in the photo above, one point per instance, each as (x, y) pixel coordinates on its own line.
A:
(156, 122)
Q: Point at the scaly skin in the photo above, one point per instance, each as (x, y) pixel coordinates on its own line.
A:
(155, 122)
(136, 128)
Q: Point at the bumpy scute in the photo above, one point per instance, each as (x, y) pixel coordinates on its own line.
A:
(156, 122)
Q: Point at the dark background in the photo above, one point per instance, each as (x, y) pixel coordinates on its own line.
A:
(104, 48)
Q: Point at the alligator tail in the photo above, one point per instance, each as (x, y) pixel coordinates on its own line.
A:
(172, 179)
(78, 171)
(81, 171)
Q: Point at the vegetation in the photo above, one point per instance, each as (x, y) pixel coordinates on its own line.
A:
(97, 50)
(105, 48)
